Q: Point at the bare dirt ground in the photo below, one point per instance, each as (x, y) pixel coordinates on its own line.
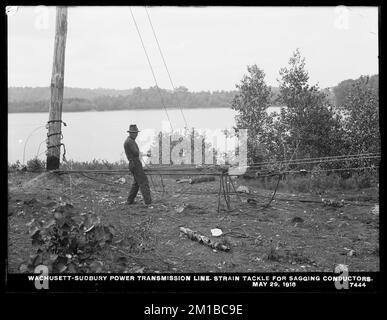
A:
(289, 235)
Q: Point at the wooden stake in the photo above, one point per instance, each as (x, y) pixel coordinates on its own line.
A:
(57, 86)
(220, 191)
(225, 192)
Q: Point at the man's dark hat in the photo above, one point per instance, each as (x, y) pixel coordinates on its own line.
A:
(133, 128)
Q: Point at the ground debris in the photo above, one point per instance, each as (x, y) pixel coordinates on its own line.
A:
(121, 180)
(193, 235)
(216, 232)
(297, 220)
(350, 252)
(147, 237)
(30, 201)
(183, 180)
(333, 203)
(243, 189)
(251, 201)
(189, 208)
(375, 210)
(201, 179)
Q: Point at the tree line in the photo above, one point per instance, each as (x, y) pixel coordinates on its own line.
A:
(152, 98)
(29, 99)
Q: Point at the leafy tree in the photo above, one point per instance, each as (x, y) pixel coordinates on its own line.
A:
(251, 102)
(361, 109)
(311, 126)
(342, 90)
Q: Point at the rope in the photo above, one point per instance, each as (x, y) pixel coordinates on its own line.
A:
(151, 179)
(280, 175)
(25, 144)
(320, 170)
(50, 121)
(324, 161)
(165, 64)
(333, 158)
(182, 173)
(37, 153)
(98, 180)
(54, 134)
(150, 66)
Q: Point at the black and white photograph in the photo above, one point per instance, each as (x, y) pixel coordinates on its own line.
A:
(217, 147)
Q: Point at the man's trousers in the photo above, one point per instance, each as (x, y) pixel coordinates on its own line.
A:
(140, 182)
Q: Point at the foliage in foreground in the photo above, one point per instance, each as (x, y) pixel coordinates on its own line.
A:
(69, 242)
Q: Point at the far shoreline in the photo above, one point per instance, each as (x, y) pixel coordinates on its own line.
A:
(134, 109)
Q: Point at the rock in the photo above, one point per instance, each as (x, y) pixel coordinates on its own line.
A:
(31, 201)
(66, 207)
(183, 180)
(216, 232)
(243, 189)
(179, 209)
(297, 220)
(50, 204)
(120, 180)
(189, 208)
(351, 253)
(23, 268)
(201, 179)
(375, 210)
(333, 203)
(341, 268)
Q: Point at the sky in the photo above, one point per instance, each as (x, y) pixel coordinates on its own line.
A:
(205, 48)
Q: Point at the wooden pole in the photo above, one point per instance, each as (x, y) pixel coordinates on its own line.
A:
(57, 86)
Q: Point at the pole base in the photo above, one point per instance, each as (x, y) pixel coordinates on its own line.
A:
(52, 163)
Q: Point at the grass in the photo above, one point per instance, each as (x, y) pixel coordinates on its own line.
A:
(36, 164)
(319, 184)
(94, 165)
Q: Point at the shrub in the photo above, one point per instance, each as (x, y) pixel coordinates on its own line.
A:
(299, 184)
(94, 165)
(68, 242)
(15, 166)
(36, 164)
(319, 182)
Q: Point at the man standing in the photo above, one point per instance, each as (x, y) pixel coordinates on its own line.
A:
(140, 179)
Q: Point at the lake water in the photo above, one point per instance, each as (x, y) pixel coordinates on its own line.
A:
(100, 135)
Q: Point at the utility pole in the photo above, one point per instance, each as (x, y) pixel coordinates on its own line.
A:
(57, 85)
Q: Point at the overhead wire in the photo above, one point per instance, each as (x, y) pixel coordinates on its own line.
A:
(165, 65)
(151, 68)
(25, 144)
(318, 158)
(280, 175)
(321, 161)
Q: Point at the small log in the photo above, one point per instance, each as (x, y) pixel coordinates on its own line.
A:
(201, 179)
(193, 235)
(183, 180)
